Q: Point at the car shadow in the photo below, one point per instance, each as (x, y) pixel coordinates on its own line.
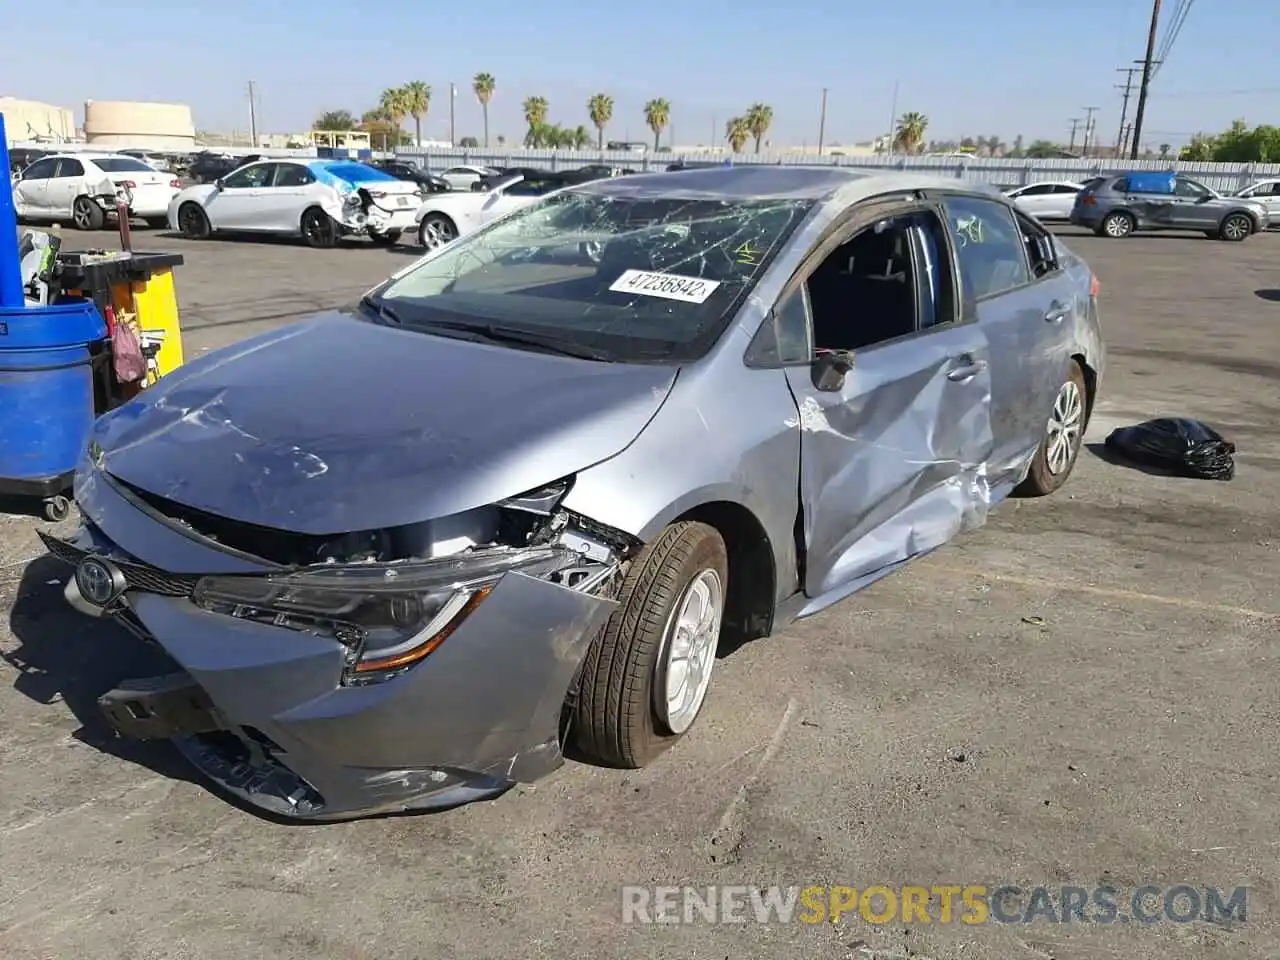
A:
(1107, 455)
(66, 657)
(22, 506)
(261, 239)
(1272, 295)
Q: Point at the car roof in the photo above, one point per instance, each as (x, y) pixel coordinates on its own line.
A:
(771, 181)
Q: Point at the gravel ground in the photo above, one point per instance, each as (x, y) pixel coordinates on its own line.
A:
(1081, 693)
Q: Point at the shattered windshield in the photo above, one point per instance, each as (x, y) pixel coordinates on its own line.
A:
(632, 278)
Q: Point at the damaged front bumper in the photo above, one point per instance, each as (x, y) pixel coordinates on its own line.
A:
(272, 714)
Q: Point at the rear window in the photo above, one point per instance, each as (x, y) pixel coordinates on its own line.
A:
(122, 165)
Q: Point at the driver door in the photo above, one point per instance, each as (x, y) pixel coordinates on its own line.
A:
(1192, 207)
(31, 192)
(893, 457)
(237, 204)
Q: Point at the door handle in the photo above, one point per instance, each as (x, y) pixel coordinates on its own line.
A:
(967, 370)
(1057, 312)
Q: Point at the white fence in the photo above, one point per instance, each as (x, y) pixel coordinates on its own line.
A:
(1003, 172)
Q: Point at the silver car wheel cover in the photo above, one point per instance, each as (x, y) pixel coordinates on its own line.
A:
(1062, 436)
(1235, 227)
(436, 233)
(689, 652)
(1118, 226)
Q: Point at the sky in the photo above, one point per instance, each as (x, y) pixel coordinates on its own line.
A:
(985, 67)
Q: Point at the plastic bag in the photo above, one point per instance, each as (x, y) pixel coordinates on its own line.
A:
(1187, 448)
(126, 352)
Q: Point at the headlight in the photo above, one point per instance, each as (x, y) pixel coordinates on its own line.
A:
(389, 616)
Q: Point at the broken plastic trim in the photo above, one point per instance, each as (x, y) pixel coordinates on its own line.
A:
(390, 616)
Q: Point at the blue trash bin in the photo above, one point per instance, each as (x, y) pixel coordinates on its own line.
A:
(46, 398)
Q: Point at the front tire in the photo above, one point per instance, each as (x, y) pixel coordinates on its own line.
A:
(436, 230)
(646, 675)
(1064, 436)
(87, 215)
(1235, 228)
(193, 222)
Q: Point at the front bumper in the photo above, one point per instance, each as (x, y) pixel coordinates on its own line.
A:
(261, 711)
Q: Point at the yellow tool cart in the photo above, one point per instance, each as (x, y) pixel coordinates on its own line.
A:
(135, 289)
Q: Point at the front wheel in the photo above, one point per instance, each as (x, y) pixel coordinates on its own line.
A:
(646, 676)
(193, 221)
(1236, 227)
(1063, 437)
(436, 230)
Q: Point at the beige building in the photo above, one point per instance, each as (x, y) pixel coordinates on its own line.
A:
(148, 126)
(26, 120)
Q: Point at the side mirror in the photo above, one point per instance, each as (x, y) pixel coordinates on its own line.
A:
(218, 185)
(830, 369)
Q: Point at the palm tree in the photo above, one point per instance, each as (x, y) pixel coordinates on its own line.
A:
(579, 138)
(909, 136)
(600, 110)
(535, 115)
(737, 131)
(759, 117)
(1164, 150)
(657, 114)
(483, 85)
(417, 101)
(392, 103)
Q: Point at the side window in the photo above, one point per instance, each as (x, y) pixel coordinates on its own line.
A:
(1121, 185)
(989, 246)
(1041, 252)
(255, 175)
(69, 167)
(1040, 189)
(936, 283)
(1190, 189)
(292, 175)
(40, 170)
(459, 172)
(1065, 188)
(784, 335)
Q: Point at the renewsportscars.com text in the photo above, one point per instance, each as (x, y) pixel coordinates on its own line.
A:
(939, 903)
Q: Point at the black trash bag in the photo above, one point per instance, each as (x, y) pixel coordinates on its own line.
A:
(1187, 448)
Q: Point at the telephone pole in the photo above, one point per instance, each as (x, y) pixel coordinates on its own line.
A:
(1088, 128)
(1146, 80)
(1127, 89)
(822, 121)
(453, 98)
(1075, 122)
(253, 113)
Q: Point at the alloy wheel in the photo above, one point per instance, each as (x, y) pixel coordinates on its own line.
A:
(689, 647)
(1064, 429)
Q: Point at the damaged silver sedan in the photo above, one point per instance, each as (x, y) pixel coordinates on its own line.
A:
(402, 556)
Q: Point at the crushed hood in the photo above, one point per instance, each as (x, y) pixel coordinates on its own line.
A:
(335, 425)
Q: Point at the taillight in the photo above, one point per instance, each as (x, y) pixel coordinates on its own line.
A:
(1088, 200)
(128, 185)
(1094, 286)
(176, 184)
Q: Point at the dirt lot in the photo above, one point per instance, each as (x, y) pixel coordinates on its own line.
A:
(1081, 693)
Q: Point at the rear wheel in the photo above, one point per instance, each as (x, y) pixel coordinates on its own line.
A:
(436, 230)
(1236, 227)
(319, 229)
(1117, 225)
(87, 215)
(646, 676)
(193, 221)
(1063, 437)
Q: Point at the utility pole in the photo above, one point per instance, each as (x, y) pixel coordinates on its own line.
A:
(1127, 89)
(822, 121)
(453, 98)
(1075, 122)
(893, 116)
(253, 113)
(1128, 129)
(1088, 128)
(1146, 79)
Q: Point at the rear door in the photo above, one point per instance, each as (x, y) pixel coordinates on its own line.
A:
(236, 205)
(282, 203)
(1036, 200)
(1023, 305)
(67, 184)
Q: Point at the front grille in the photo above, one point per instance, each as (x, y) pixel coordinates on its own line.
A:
(139, 576)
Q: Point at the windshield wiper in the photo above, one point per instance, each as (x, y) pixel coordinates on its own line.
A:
(382, 309)
(491, 333)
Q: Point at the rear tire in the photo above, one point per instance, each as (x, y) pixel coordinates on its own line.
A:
(1117, 226)
(623, 715)
(1064, 436)
(1235, 228)
(87, 215)
(319, 229)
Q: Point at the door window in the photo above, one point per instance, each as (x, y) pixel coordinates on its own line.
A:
(1190, 190)
(69, 167)
(1041, 253)
(989, 246)
(292, 175)
(256, 175)
(1039, 190)
(40, 170)
(1065, 188)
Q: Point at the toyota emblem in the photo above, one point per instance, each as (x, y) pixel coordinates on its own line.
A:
(98, 581)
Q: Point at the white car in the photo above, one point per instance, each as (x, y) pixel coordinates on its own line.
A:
(155, 161)
(318, 200)
(85, 188)
(447, 216)
(464, 177)
(1267, 193)
(1046, 201)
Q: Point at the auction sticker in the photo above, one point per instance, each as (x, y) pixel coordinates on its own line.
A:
(669, 286)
